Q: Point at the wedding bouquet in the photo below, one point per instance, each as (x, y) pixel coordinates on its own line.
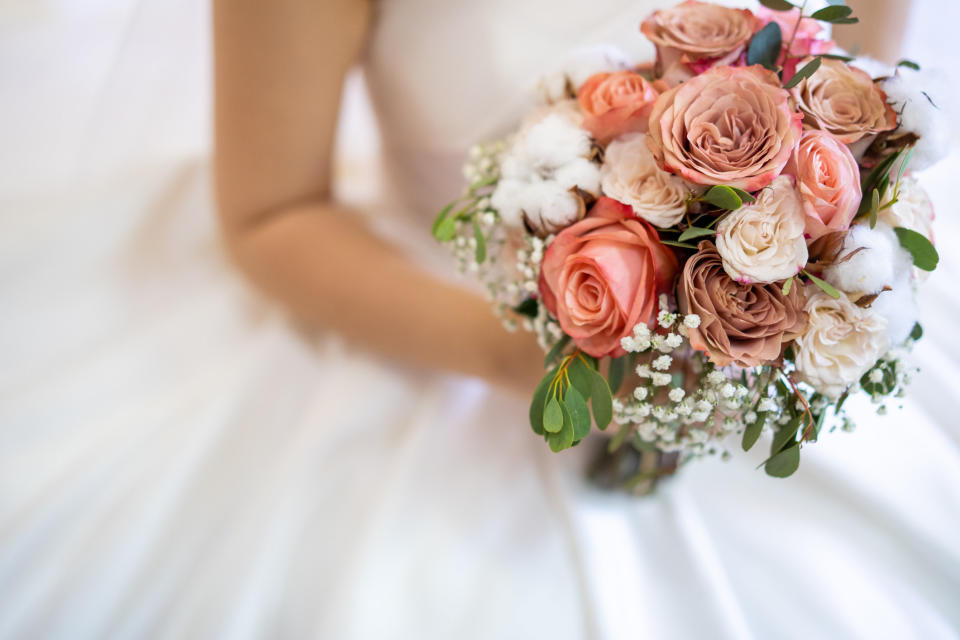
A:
(725, 241)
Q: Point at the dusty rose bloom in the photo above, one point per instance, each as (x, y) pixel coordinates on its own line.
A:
(743, 324)
(843, 100)
(601, 277)
(828, 180)
(729, 125)
(694, 36)
(616, 103)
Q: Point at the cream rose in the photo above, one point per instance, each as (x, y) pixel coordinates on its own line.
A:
(843, 100)
(828, 180)
(729, 125)
(693, 36)
(913, 208)
(763, 241)
(841, 343)
(630, 175)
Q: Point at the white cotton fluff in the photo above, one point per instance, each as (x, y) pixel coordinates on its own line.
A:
(920, 99)
(577, 66)
(899, 307)
(875, 68)
(546, 160)
(876, 265)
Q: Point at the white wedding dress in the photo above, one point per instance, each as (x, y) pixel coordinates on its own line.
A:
(177, 461)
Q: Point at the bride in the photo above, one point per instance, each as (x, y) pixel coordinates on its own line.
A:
(384, 483)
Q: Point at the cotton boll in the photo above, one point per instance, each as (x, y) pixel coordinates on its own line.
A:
(506, 199)
(577, 67)
(919, 98)
(878, 262)
(554, 141)
(899, 307)
(875, 68)
(580, 173)
(549, 206)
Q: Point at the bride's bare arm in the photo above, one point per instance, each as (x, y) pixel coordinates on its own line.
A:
(280, 66)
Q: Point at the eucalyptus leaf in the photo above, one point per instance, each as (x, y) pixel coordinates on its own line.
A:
(874, 207)
(723, 196)
(805, 71)
(777, 5)
(528, 307)
(909, 64)
(786, 434)
(745, 196)
(917, 332)
(872, 180)
(845, 21)
(786, 286)
(764, 47)
(445, 230)
(481, 253)
(924, 254)
(825, 286)
(581, 376)
(579, 413)
(441, 217)
(556, 350)
(903, 167)
(618, 367)
(832, 13)
(784, 464)
(836, 56)
(682, 245)
(538, 402)
(552, 416)
(752, 433)
(601, 400)
(695, 232)
(563, 439)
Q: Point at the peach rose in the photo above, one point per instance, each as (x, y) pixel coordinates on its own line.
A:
(807, 41)
(746, 324)
(601, 277)
(694, 36)
(616, 103)
(828, 180)
(729, 125)
(843, 100)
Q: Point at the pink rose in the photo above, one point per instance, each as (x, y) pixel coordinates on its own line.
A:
(806, 42)
(695, 36)
(601, 277)
(828, 180)
(729, 125)
(616, 103)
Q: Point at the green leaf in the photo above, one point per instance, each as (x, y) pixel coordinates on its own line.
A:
(845, 21)
(563, 439)
(805, 71)
(618, 439)
(786, 286)
(752, 433)
(445, 230)
(579, 413)
(744, 195)
(836, 56)
(602, 401)
(917, 332)
(682, 245)
(695, 232)
(765, 46)
(826, 286)
(556, 350)
(481, 254)
(618, 367)
(441, 217)
(832, 13)
(777, 5)
(786, 434)
(538, 402)
(874, 207)
(924, 254)
(723, 196)
(784, 463)
(552, 416)
(581, 376)
(903, 167)
(528, 307)
(909, 64)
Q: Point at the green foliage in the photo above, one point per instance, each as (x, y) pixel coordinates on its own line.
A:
(579, 413)
(764, 47)
(556, 350)
(786, 286)
(616, 373)
(922, 251)
(825, 286)
(744, 195)
(580, 376)
(539, 401)
(917, 332)
(602, 401)
(783, 464)
(528, 308)
(481, 254)
(875, 206)
(563, 439)
(875, 180)
(721, 195)
(445, 230)
(441, 217)
(833, 13)
(752, 432)
(552, 416)
(909, 64)
(777, 5)
(682, 245)
(786, 434)
(695, 232)
(805, 71)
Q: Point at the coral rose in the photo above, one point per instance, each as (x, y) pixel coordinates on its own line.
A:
(601, 277)
(729, 125)
(841, 343)
(763, 241)
(745, 324)
(694, 36)
(631, 176)
(828, 180)
(616, 103)
(843, 100)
